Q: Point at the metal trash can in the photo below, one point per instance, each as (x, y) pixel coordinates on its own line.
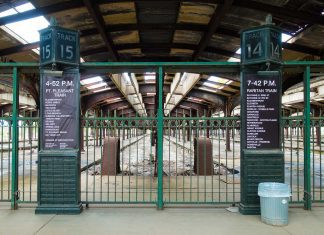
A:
(274, 200)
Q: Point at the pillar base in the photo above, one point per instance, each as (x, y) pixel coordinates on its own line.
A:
(59, 209)
(249, 209)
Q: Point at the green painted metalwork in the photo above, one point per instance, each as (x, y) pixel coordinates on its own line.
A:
(147, 190)
(307, 139)
(15, 142)
(124, 65)
(160, 138)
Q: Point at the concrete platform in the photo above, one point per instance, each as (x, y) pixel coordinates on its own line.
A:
(151, 221)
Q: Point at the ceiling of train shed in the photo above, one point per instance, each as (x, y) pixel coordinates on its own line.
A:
(171, 30)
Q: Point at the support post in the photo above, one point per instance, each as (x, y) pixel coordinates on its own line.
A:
(262, 156)
(58, 186)
(15, 142)
(160, 139)
(307, 143)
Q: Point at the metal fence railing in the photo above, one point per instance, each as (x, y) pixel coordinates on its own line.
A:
(201, 160)
(157, 159)
(5, 158)
(137, 182)
(132, 180)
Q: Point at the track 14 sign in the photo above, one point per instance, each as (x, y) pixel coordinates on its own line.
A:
(261, 44)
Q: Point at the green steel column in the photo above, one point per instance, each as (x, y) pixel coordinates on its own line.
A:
(307, 144)
(15, 110)
(160, 139)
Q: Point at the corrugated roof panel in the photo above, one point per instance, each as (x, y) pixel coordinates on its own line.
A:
(185, 36)
(156, 36)
(224, 42)
(77, 19)
(198, 13)
(91, 42)
(119, 13)
(125, 18)
(121, 37)
(181, 52)
(157, 12)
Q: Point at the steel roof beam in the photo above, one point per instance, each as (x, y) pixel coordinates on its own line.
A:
(123, 112)
(281, 12)
(96, 15)
(181, 111)
(216, 100)
(214, 23)
(150, 88)
(220, 51)
(91, 100)
(116, 105)
(180, 86)
(129, 87)
(193, 105)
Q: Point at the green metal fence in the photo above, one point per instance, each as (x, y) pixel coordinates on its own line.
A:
(149, 178)
(134, 180)
(137, 180)
(205, 174)
(5, 158)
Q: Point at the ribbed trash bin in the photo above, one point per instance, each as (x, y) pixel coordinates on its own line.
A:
(274, 198)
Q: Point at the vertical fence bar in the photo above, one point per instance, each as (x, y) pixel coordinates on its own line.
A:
(307, 139)
(160, 139)
(15, 110)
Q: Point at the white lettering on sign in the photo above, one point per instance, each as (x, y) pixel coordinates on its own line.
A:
(59, 83)
(253, 35)
(66, 37)
(46, 36)
(261, 97)
(261, 83)
(59, 112)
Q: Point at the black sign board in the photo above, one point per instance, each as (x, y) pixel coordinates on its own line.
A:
(261, 115)
(60, 111)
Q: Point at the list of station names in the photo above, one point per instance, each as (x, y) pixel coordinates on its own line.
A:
(261, 95)
(59, 116)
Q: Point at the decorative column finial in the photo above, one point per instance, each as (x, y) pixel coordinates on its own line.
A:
(53, 21)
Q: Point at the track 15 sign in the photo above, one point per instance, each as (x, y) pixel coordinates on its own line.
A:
(59, 45)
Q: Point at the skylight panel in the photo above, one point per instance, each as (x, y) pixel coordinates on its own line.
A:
(104, 89)
(97, 85)
(91, 80)
(113, 100)
(25, 31)
(285, 37)
(149, 76)
(28, 29)
(218, 79)
(195, 99)
(207, 89)
(126, 77)
(208, 84)
(233, 59)
(25, 7)
(8, 12)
